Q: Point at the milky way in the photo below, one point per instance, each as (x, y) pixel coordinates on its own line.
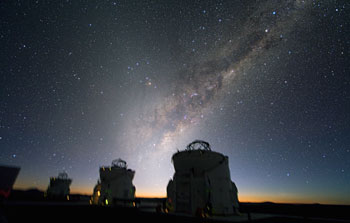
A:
(264, 82)
(201, 86)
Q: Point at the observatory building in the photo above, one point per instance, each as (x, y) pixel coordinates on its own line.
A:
(59, 186)
(201, 184)
(96, 194)
(8, 175)
(115, 185)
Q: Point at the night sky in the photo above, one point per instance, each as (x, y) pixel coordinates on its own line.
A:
(266, 83)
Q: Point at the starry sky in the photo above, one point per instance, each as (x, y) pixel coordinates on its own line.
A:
(266, 83)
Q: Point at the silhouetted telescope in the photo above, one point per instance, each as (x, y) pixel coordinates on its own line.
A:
(202, 183)
(115, 185)
(8, 175)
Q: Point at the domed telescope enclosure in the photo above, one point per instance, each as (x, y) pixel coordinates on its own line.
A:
(59, 187)
(201, 184)
(115, 185)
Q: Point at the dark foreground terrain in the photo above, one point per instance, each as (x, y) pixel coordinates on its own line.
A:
(307, 211)
(30, 206)
(70, 212)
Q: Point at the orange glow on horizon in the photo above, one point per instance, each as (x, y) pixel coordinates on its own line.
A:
(150, 195)
(243, 197)
(291, 199)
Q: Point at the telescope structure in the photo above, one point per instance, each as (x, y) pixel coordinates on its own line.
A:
(8, 175)
(59, 187)
(201, 184)
(115, 186)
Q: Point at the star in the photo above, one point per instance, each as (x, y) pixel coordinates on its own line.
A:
(93, 83)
